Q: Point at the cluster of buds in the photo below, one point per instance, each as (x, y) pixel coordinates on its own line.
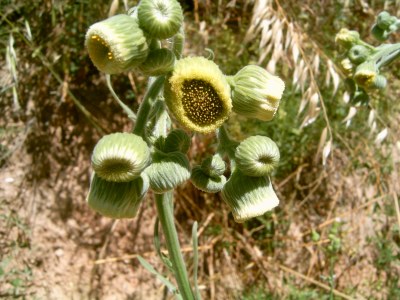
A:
(200, 97)
(384, 26)
(363, 62)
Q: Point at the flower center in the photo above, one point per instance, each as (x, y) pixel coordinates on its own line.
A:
(201, 102)
(100, 48)
(115, 169)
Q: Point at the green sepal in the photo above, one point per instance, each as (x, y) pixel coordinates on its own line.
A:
(117, 200)
(249, 197)
(167, 171)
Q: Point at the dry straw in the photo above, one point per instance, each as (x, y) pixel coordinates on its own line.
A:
(283, 39)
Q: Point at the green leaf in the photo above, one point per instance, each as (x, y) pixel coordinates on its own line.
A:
(153, 271)
(157, 245)
(195, 260)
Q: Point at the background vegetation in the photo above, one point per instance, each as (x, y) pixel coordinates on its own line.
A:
(336, 233)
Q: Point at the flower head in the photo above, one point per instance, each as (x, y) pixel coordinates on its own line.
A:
(120, 157)
(116, 44)
(198, 94)
(367, 76)
(161, 19)
(257, 156)
(347, 38)
(256, 93)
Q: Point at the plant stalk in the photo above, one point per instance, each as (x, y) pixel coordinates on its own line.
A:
(144, 110)
(166, 217)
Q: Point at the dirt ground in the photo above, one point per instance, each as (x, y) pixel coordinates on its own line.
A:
(51, 240)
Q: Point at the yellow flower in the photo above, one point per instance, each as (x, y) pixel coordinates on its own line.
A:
(198, 94)
(116, 44)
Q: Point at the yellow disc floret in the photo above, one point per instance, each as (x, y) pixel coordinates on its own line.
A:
(198, 94)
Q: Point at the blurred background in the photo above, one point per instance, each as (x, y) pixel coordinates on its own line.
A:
(336, 232)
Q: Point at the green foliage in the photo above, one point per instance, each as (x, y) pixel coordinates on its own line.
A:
(256, 293)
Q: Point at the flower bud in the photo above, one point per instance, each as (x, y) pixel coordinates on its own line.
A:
(257, 156)
(198, 94)
(158, 122)
(213, 166)
(384, 20)
(379, 33)
(120, 157)
(161, 19)
(347, 38)
(158, 62)
(117, 199)
(256, 93)
(205, 182)
(249, 197)
(177, 140)
(347, 66)
(367, 76)
(116, 44)
(167, 171)
(358, 54)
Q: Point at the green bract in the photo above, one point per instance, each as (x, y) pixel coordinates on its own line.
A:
(117, 199)
(120, 157)
(160, 19)
(167, 171)
(198, 94)
(205, 182)
(116, 44)
(249, 197)
(177, 140)
(158, 62)
(257, 156)
(213, 166)
(256, 93)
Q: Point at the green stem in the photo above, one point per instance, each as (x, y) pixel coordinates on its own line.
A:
(145, 107)
(386, 54)
(166, 217)
(225, 144)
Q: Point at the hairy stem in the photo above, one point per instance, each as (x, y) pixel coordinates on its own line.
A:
(144, 110)
(166, 217)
